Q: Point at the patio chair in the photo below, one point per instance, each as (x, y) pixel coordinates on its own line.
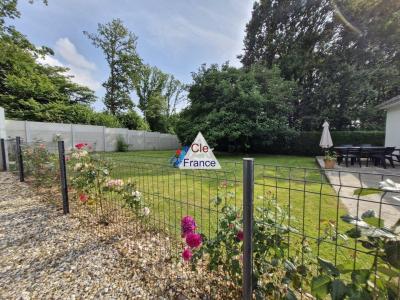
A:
(396, 156)
(365, 152)
(352, 154)
(381, 155)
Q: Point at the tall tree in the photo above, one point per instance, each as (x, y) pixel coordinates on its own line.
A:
(119, 47)
(238, 109)
(175, 95)
(26, 86)
(159, 95)
(343, 55)
(149, 89)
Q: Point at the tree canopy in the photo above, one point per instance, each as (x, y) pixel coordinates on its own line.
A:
(119, 47)
(30, 90)
(238, 109)
(342, 54)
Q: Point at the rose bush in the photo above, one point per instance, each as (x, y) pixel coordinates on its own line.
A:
(274, 274)
(90, 177)
(40, 164)
(193, 240)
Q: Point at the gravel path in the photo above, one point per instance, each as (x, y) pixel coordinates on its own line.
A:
(45, 255)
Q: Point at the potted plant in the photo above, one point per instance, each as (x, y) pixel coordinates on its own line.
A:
(330, 159)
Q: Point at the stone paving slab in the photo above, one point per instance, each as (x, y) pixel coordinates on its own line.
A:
(347, 180)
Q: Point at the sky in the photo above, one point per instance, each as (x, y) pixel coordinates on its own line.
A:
(177, 36)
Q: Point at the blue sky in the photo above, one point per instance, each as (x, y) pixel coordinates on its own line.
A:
(175, 35)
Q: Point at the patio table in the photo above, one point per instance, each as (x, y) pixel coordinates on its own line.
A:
(364, 151)
(359, 147)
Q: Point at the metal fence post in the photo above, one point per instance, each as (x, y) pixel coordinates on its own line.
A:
(3, 154)
(63, 177)
(20, 159)
(248, 195)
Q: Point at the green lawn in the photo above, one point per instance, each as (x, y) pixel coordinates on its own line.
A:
(296, 182)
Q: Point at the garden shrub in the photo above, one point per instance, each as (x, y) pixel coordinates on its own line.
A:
(40, 164)
(274, 274)
(122, 146)
(277, 276)
(90, 177)
(380, 281)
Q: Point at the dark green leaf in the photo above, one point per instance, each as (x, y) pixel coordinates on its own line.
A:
(392, 251)
(319, 286)
(360, 276)
(338, 289)
(328, 267)
(354, 233)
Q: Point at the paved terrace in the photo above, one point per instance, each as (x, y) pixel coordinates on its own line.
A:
(348, 180)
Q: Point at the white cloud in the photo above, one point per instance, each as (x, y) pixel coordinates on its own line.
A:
(79, 67)
(204, 27)
(68, 52)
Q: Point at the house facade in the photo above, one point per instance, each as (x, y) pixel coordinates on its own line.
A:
(392, 108)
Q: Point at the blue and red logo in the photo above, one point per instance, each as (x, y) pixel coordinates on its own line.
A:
(179, 156)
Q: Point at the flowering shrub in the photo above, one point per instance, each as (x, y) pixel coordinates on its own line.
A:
(91, 179)
(193, 240)
(40, 163)
(188, 225)
(274, 275)
(132, 198)
(89, 176)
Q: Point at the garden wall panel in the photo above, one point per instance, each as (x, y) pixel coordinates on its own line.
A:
(112, 135)
(48, 133)
(15, 128)
(93, 135)
(151, 140)
(100, 137)
(168, 141)
(136, 140)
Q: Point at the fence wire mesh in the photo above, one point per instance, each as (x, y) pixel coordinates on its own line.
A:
(308, 222)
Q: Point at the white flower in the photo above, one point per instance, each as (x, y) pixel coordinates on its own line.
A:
(77, 167)
(115, 183)
(136, 194)
(75, 155)
(145, 211)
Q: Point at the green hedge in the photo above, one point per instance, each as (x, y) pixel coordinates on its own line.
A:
(307, 143)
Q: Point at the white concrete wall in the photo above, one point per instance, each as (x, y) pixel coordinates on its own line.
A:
(392, 137)
(100, 137)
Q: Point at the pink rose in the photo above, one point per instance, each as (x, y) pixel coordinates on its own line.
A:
(193, 240)
(239, 235)
(187, 254)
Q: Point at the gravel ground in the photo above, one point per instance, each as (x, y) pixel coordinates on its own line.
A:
(45, 255)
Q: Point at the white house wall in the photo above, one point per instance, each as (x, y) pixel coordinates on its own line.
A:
(392, 137)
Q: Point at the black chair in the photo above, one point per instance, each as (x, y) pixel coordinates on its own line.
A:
(396, 157)
(352, 154)
(380, 156)
(365, 152)
(339, 155)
